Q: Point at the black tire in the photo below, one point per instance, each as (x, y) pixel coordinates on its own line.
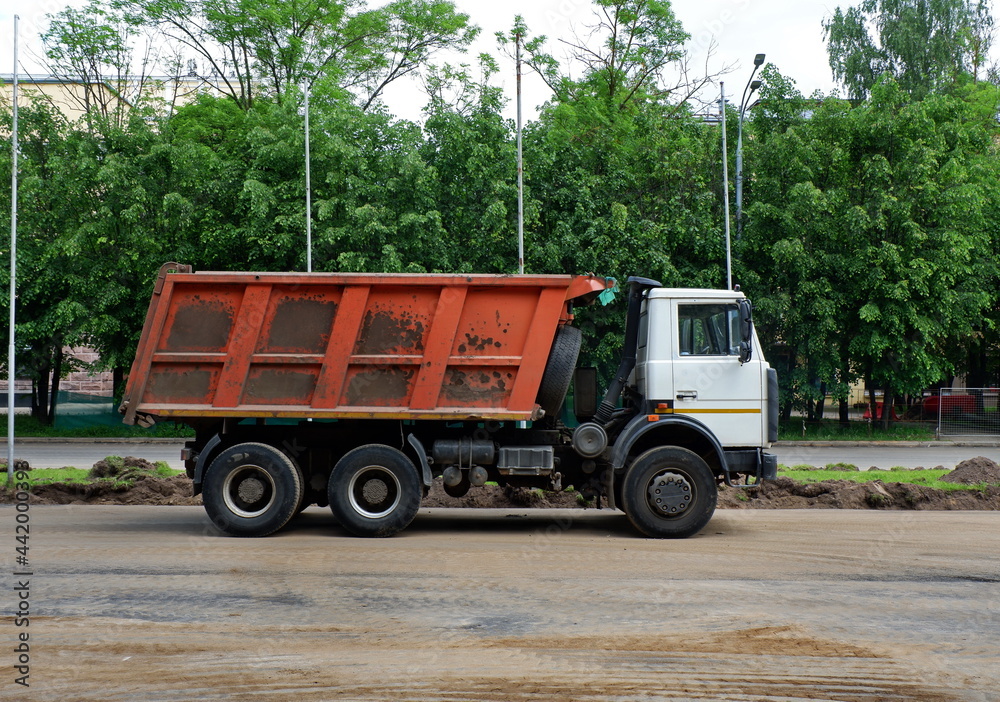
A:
(559, 369)
(251, 490)
(374, 490)
(669, 493)
(306, 498)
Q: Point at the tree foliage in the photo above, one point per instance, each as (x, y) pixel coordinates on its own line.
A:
(246, 49)
(868, 231)
(633, 49)
(872, 238)
(105, 56)
(926, 45)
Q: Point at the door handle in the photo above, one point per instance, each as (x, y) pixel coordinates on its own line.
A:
(687, 395)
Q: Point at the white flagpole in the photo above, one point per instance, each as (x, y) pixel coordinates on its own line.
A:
(309, 246)
(11, 355)
(520, 168)
(725, 186)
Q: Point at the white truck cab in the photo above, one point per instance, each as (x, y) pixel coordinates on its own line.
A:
(699, 406)
(689, 364)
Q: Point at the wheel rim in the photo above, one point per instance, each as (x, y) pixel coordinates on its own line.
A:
(374, 492)
(249, 491)
(669, 494)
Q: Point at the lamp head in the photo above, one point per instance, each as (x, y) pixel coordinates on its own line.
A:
(754, 85)
(758, 59)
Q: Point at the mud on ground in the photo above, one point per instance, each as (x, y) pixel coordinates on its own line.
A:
(137, 486)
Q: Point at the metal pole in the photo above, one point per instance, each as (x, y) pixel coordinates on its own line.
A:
(744, 104)
(11, 350)
(739, 178)
(520, 169)
(309, 259)
(725, 186)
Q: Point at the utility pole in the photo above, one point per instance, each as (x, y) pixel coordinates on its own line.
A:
(752, 85)
(725, 186)
(520, 167)
(12, 350)
(309, 246)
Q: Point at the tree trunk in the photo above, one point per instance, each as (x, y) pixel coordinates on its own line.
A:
(117, 382)
(821, 402)
(845, 416)
(40, 396)
(56, 377)
(873, 402)
(887, 401)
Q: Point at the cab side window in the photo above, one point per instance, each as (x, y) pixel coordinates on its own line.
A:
(708, 330)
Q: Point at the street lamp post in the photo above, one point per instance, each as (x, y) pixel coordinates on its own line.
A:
(751, 86)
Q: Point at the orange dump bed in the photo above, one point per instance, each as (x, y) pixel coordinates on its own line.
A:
(348, 345)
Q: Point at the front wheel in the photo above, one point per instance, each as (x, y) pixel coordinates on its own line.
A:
(251, 489)
(374, 490)
(669, 493)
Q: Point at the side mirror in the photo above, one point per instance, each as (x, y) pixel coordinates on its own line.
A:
(746, 330)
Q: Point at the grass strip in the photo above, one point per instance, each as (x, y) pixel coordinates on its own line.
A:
(929, 478)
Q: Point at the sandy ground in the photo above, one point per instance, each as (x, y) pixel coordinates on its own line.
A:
(151, 603)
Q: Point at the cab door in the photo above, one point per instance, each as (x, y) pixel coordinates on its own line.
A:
(710, 382)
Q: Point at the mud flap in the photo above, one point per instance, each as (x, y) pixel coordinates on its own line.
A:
(751, 462)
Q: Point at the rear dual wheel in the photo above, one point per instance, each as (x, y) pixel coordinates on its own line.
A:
(252, 489)
(374, 490)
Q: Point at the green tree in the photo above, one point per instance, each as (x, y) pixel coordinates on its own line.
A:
(234, 185)
(634, 49)
(471, 148)
(247, 49)
(50, 314)
(867, 236)
(116, 235)
(926, 45)
(104, 59)
(409, 33)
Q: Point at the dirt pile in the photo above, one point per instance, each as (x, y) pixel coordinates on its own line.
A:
(975, 471)
(502, 497)
(19, 465)
(114, 466)
(785, 493)
(118, 481)
(132, 481)
(142, 489)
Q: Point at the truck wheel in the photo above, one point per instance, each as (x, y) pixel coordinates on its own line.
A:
(251, 490)
(669, 493)
(374, 490)
(559, 369)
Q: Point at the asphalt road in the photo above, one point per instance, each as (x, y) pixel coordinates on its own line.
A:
(151, 603)
(83, 454)
(884, 457)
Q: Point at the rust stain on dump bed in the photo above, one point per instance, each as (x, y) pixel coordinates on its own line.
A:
(180, 385)
(202, 325)
(385, 332)
(280, 386)
(476, 387)
(387, 386)
(301, 326)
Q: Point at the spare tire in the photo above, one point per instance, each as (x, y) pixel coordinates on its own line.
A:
(559, 369)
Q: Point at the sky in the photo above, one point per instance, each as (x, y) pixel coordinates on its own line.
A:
(789, 32)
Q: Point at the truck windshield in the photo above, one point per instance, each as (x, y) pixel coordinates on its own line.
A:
(708, 330)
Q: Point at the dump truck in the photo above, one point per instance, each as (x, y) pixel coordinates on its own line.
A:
(358, 391)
